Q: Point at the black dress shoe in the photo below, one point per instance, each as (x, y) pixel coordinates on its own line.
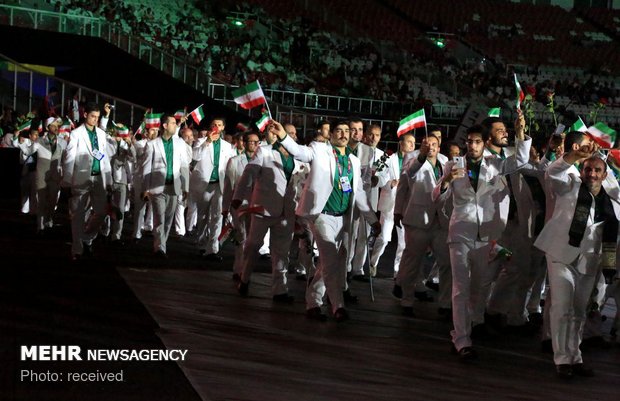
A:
(341, 315)
(316, 314)
(431, 285)
(546, 346)
(481, 332)
(422, 296)
(88, 249)
(161, 254)
(536, 319)
(283, 298)
(301, 277)
(465, 354)
(236, 277)
(348, 297)
(265, 256)
(243, 288)
(117, 243)
(360, 277)
(214, 257)
(397, 291)
(407, 311)
(564, 371)
(579, 369)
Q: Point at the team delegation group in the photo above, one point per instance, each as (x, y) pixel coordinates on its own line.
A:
(556, 214)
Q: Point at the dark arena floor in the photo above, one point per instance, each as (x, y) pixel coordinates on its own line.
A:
(241, 348)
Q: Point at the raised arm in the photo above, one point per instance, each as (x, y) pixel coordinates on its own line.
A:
(302, 153)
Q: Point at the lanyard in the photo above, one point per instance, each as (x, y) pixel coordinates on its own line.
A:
(340, 167)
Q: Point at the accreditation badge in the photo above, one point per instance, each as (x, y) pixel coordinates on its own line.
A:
(345, 184)
(97, 154)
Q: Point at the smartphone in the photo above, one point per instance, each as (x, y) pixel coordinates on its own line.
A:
(459, 161)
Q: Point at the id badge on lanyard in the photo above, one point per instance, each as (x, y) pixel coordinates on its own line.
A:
(97, 154)
(345, 184)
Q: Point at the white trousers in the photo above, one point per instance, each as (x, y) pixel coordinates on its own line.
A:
(242, 227)
(570, 291)
(179, 219)
(119, 200)
(471, 283)
(47, 201)
(94, 194)
(142, 211)
(164, 205)
(281, 235)
(28, 193)
(329, 234)
(209, 210)
(387, 225)
(191, 217)
(410, 274)
(358, 246)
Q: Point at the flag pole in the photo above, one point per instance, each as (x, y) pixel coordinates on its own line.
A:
(266, 101)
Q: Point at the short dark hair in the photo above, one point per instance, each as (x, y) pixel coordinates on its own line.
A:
(321, 123)
(487, 125)
(571, 138)
(164, 119)
(595, 159)
(402, 137)
(432, 128)
(90, 107)
(222, 119)
(339, 122)
(246, 135)
(478, 129)
(355, 120)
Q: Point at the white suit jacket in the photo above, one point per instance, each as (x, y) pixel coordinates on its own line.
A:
(367, 157)
(320, 182)
(414, 200)
(203, 156)
(155, 165)
(121, 156)
(49, 165)
(477, 215)
(234, 169)
(564, 180)
(388, 194)
(265, 180)
(79, 158)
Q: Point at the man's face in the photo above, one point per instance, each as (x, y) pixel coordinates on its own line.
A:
(217, 126)
(188, 136)
(373, 137)
(170, 126)
(52, 129)
(433, 146)
(239, 144)
(91, 118)
(593, 174)
(407, 143)
(499, 135)
(228, 138)
(475, 146)
(251, 144)
(34, 135)
(454, 151)
(291, 131)
(436, 134)
(324, 132)
(340, 135)
(152, 133)
(356, 131)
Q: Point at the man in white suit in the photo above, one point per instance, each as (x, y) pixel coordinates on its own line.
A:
(367, 154)
(211, 155)
(267, 178)
(234, 169)
(48, 172)
(87, 171)
(165, 170)
(394, 164)
(425, 223)
(142, 211)
(179, 214)
(476, 221)
(585, 216)
(333, 189)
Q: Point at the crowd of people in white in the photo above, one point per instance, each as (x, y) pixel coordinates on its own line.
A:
(557, 215)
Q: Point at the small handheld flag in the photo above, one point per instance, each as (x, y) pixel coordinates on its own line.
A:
(249, 96)
(520, 93)
(413, 121)
(198, 114)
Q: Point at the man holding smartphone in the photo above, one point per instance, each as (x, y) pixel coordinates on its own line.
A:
(476, 221)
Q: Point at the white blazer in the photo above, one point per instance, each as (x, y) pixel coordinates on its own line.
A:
(203, 156)
(477, 215)
(265, 180)
(414, 200)
(79, 158)
(234, 169)
(390, 172)
(564, 180)
(49, 165)
(155, 165)
(320, 182)
(121, 156)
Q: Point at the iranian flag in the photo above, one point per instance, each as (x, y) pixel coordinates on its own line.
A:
(140, 129)
(494, 112)
(198, 114)
(615, 155)
(579, 126)
(24, 126)
(603, 135)
(40, 127)
(152, 120)
(67, 126)
(249, 96)
(123, 131)
(242, 127)
(179, 114)
(520, 93)
(262, 123)
(416, 120)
